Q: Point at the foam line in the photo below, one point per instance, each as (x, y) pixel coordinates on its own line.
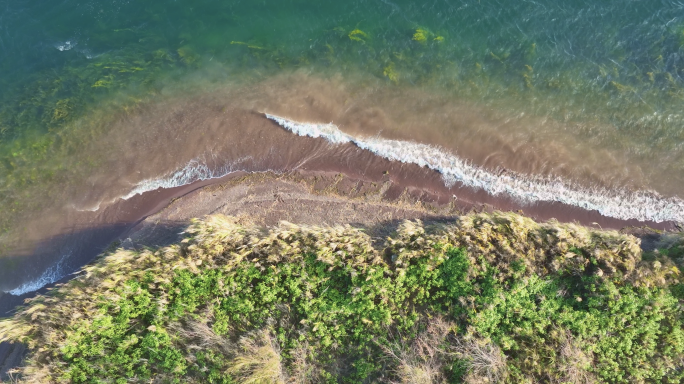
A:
(194, 171)
(51, 275)
(620, 204)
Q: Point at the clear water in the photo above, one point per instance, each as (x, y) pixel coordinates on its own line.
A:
(586, 92)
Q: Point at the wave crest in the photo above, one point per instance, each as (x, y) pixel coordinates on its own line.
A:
(619, 204)
(51, 275)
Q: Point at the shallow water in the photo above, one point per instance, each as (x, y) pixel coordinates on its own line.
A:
(537, 102)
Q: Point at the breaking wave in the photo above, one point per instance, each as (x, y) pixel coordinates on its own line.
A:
(66, 46)
(51, 275)
(195, 170)
(619, 204)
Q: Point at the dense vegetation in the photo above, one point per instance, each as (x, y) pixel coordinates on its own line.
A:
(490, 298)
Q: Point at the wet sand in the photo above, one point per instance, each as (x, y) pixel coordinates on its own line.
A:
(402, 186)
(302, 198)
(392, 189)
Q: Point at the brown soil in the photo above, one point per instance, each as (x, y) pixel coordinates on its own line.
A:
(299, 197)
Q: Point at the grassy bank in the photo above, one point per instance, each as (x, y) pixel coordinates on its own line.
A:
(490, 298)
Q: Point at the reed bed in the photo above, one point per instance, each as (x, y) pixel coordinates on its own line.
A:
(490, 298)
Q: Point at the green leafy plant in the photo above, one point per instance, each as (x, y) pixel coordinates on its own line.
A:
(495, 298)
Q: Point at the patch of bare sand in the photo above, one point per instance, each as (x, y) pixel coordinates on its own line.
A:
(298, 197)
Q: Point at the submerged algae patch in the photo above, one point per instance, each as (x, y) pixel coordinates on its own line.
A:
(358, 35)
(235, 302)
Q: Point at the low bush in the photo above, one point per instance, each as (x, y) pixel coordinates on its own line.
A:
(490, 298)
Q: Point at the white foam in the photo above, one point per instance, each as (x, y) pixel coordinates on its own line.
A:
(195, 170)
(620, 204)
(89, 55)
(66, 46)
(51, 275)
(93, 208)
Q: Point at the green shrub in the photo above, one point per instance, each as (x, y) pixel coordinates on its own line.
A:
(494, 297)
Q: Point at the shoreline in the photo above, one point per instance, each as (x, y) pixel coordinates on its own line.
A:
(401, 186)
(237, 139)
(550, 258)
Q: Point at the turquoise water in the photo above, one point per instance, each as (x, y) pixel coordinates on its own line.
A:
(596, 58)
(586, 94)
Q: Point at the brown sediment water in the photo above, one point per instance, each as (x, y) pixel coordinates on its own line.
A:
(589, 152)
(176, 144)
(222, 127)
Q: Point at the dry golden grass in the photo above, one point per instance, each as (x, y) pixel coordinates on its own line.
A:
(199, 336)
(302, 369)
(424, 359)
(258, 361)
(503, 237)
(575, 363)
(220, 241)
(486, 362)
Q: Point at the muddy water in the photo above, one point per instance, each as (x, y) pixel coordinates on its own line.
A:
(208, 134)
